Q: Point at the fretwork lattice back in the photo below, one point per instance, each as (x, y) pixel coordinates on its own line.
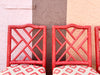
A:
(26, 44)
(97, 47)
(78, 45)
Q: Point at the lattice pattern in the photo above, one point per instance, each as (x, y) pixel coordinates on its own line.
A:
(97, 47)
(74, 70)
(77, 42)
(24, 70)
(26, 42)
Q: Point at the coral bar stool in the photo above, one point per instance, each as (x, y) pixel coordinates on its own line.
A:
(26, 51)
(71, 55)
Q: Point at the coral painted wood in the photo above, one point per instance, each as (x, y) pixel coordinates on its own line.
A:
(26, 44)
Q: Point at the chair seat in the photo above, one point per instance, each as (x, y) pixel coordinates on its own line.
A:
(74, 70)
(24, 70)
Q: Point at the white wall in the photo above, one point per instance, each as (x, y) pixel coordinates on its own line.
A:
(12, 12)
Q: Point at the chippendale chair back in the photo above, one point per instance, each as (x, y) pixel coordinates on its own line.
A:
(77, 42)
(26, 44)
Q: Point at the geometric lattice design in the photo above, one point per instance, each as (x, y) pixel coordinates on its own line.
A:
(24, 70)
(26, 44)
(97, 47)
(74, 70)
(77, 42)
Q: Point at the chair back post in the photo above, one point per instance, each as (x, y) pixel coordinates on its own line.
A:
(53, 47)
(89, 46)
(97, 51)
(44, 47)
(8, 46)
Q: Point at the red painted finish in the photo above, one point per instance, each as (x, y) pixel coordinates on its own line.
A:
(57, 60)
(97, 47)
(10, 49)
